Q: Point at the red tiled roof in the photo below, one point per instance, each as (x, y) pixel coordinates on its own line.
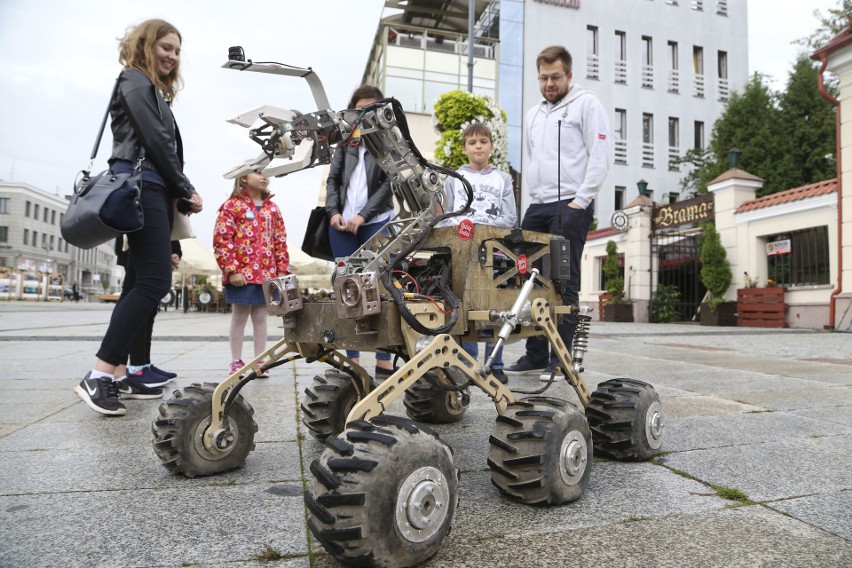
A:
(796, 194)
(601, 233)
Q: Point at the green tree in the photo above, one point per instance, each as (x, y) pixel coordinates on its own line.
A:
(830, 25)
(454, 111)
(614, 283)
(715, 269)
(809, 121)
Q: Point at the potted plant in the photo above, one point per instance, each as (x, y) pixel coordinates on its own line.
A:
(716, 276)
(615, 309)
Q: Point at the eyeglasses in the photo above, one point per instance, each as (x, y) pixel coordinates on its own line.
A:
(554, 78)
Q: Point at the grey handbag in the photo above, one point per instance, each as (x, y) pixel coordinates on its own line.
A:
(106, 205)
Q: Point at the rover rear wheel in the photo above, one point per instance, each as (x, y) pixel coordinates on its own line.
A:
(428, 402)
(179, 429)
(541, 451)
(383, 493)
(626, 419)
(327, 403)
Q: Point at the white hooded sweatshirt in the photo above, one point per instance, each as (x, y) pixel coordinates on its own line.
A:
(584, 144)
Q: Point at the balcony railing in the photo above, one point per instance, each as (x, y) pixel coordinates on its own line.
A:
(697, 5)
(724, 90)
(674, 154)
(648, 76)
(621, 151)
(593, 67)
(621, 72)
(674, 81)
(698, 86)
(722, 7)
(647, 155)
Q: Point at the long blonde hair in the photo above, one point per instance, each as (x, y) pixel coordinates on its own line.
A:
(240, 185)
(136, 49)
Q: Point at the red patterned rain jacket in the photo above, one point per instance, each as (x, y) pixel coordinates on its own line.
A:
(249, 240)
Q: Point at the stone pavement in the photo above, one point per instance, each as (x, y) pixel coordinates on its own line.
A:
(756, 469)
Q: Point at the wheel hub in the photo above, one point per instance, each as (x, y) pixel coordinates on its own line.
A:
(422, 504)
(654, 425)
(223, 440)
(573, 457)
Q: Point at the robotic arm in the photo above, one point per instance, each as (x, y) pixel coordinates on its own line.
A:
(292, 141)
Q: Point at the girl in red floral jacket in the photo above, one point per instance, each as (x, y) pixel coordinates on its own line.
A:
(250, 244)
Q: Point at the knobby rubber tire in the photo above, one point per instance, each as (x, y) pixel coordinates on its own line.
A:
(541, 451)
(178, 428)
(327, 403)
(383, 493)
(426, 402)
(626, 420)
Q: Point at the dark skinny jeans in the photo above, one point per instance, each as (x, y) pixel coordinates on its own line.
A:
(575, 226)
(150, 254)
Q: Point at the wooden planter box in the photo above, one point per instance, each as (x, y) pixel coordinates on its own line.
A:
(618, 312)
(761, 307)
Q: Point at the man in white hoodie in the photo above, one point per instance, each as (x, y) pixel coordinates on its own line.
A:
(567, 144)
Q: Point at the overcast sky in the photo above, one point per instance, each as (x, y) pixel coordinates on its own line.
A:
(59, 58)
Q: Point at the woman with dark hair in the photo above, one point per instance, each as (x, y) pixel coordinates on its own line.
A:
(358, 201)
(143, 128)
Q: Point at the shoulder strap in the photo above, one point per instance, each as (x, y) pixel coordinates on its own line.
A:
(104, 121)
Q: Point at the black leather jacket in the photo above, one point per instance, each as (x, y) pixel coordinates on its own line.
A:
(140, 115)
(378, 185)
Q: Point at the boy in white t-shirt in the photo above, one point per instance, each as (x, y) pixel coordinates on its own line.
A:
(493, 204)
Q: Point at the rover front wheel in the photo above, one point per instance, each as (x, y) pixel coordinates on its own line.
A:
(383, 493)
(327, 403)
(541, 451)
(180, 427)
(626, 418)
(427, 401)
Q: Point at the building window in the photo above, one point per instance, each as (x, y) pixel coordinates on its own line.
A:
(807, 262)
(698, 71)
(673, 197)
(620, 57)
(620, 135)
(698, 143)
(592, 53)
(4, 205)
(602, 262)
(35, 239)
(674, 143)
(647, 140)
(26, 239)
(722, 66)
(674, 69)
(620, 192)
(53, 217)
(647, 62)
(35, 212)
(51, 242)
(4, 234)
(27, 212)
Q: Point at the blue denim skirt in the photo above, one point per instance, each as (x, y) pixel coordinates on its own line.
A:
(248, 294)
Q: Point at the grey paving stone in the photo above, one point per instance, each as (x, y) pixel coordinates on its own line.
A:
(829, 512)
(692, 433)
(150, 527)
(794, 398)
(773, 470)
(836, 414)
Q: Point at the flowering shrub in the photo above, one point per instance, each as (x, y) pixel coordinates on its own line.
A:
(454, 111)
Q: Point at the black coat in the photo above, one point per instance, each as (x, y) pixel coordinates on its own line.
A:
(378, 185)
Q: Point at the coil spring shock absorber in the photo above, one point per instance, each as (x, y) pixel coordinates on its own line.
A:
(581, 337)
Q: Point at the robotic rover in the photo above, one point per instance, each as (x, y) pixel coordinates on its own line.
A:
(385, 489)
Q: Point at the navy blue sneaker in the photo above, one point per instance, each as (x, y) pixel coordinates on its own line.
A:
(168, 374)
(524, 366)
(147, 377)
(129, 387)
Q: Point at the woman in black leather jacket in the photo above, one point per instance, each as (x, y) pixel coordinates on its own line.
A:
(143, 126)
(358, 200)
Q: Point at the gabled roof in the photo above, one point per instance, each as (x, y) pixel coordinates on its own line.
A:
(735, 173)
(842, 39)
(796, 194)
(601, 233)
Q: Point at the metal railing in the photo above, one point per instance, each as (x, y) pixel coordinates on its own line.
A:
(648, 76)
(698, 86)
(724, 89)
(620, 151)
(674, 154)
(621, 72)
(674, 81)
(647, 155)
(593, 67)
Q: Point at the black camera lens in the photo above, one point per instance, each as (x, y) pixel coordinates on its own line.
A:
(236, 53)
